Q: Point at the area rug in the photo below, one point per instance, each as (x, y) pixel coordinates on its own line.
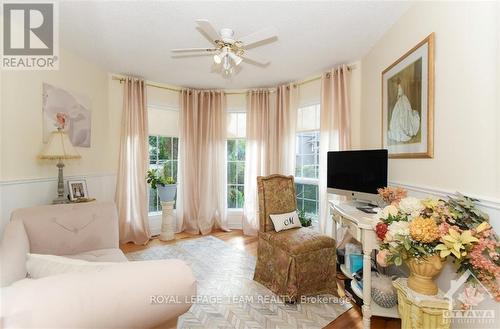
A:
(225, 272)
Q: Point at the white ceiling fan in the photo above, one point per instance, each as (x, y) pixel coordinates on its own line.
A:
(228, 49)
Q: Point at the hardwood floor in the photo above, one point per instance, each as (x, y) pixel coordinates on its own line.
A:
(351, 319)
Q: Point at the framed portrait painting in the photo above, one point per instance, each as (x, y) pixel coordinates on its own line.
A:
(408, 103)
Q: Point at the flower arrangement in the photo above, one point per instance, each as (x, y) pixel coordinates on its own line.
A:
(413, 229)
(392, 194)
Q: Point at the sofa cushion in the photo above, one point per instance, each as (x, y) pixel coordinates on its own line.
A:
(101, 255)
(299, 241)
(119, 296)
(70, 228)
(40, 266)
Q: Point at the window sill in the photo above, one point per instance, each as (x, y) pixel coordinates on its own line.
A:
(307, 181)
(235, 211)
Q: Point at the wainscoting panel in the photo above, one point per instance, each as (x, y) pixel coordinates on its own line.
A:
(23, 193)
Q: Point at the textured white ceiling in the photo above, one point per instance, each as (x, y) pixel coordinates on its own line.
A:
(136, 37)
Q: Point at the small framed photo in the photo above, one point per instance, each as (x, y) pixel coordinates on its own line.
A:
(77, 189)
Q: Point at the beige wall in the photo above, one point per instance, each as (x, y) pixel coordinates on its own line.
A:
(21, 119)
(466, 96)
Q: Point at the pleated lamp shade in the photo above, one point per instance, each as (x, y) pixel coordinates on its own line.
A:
(59, 147)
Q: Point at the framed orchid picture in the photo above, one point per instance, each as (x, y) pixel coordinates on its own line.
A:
(408, 103)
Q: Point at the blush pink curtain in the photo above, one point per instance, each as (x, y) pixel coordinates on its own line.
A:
(270, 146)
(335, 129)
(259, 159)
(202, 161)
(131, 187)
(285, 127)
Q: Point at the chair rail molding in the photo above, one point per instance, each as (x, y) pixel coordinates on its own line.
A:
(28, 192)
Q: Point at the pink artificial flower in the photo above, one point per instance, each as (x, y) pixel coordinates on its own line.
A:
(382, 257)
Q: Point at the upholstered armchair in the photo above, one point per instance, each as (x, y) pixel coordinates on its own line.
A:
(295, 262)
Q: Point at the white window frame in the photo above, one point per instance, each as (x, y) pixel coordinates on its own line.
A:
(308, 180)
(159, 211)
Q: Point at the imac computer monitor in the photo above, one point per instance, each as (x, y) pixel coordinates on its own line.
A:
(357, 174)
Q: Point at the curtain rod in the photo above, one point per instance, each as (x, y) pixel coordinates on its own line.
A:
(150, 84)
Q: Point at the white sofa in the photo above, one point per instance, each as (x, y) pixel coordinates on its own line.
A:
(117, 296)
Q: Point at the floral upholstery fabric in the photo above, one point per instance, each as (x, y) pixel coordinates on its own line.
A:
(298, 241)
(294, 262)
(276, 196)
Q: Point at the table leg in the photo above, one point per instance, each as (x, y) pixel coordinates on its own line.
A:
(335, 228)
(367, 287)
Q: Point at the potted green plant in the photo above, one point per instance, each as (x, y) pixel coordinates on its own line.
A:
(164, 184)
(304, 219)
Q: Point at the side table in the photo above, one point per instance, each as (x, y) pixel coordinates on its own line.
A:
(419, 311)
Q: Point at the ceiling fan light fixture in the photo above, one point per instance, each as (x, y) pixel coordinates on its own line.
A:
(236, 59)
(228, 51)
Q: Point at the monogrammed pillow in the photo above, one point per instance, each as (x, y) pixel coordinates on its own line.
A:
(285, 221)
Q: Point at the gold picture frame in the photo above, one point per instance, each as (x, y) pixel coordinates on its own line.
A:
(408, 103)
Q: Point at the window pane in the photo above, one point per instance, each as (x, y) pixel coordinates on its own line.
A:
(241, 149)
(299, 190)
(235, 172)
(167, 169)
(310, 207)
(309, 171)
(163, 143)
(307, 199)
(232, 173)
(232, 196)
(153, 204)
(241, 172)
(241, 196)
(298, 166)
(175, 149)
(232, 151)
(311, 192)
(174, 169)
(153, 149)
(307, 157)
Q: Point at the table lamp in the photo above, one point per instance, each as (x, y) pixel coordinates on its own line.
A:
(59, 148)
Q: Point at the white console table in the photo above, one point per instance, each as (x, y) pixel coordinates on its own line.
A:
(359, 225)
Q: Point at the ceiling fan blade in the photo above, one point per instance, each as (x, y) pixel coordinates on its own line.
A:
(208, 28)
(190, 55)
(258, 36)
(249, 56)
(183, 50)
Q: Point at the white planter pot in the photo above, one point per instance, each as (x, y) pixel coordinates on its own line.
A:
(167, 193)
